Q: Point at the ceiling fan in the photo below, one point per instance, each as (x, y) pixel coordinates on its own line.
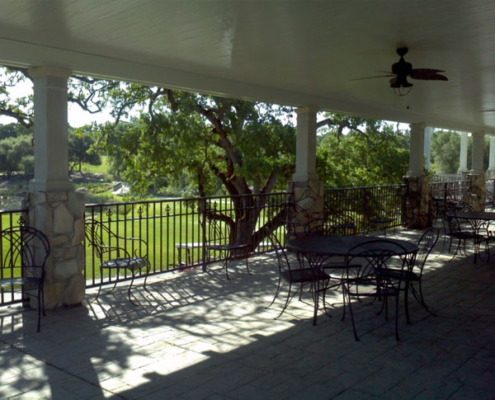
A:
(402, 70)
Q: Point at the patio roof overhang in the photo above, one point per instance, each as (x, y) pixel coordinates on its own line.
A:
(296, 53)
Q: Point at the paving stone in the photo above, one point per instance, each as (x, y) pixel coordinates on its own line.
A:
(204, 337)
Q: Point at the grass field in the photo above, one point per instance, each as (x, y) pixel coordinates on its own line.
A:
(98, 169)
(162, 224)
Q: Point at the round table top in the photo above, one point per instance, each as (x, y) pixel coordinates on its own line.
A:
(480, 215)
(340, 245)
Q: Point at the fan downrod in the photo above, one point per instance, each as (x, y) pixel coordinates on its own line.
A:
(402, 51)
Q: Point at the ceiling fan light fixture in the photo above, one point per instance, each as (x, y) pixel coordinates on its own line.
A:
(402, 91)
(401, 86)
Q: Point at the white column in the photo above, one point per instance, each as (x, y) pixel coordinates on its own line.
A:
(54, 206)
(416, 150)
(306, 145)
(51, 167)
(427, 151)
(463, 153)
(491, 165)
(478, 149)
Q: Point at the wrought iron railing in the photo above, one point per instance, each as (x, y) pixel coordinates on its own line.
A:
(450, 191)
(175, 230)
(366, 205)
(8, 219)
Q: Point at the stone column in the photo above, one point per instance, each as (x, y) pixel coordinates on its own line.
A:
(491, 165)
(463, 169)
(476, 196)
(417, 215)
(54, 207)
(307, 190)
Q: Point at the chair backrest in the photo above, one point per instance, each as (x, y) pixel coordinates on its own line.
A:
(377, 253)
(280, 251)
(95, 231)
(217, 231)
(456, 225)
(24, 249)
(332, 226)
(425, 245)
(459, 206)
(104, 241)
(296, 219)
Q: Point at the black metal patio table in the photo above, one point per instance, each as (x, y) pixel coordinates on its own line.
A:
(318, 249)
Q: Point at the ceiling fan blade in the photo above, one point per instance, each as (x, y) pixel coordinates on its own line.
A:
(393, 81)
(373, 77)
(428, 74)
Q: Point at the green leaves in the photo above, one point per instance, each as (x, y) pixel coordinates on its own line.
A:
(364, 153)
(179, 137)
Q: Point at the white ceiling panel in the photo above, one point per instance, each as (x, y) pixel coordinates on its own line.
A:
(290, 52)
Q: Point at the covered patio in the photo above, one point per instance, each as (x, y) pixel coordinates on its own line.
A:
(197, 335)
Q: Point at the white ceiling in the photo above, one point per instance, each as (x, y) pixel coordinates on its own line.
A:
(290, 52)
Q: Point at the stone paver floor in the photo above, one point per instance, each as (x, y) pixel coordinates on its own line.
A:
(198, 336)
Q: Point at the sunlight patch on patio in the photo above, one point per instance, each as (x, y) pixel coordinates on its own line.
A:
(197, 335)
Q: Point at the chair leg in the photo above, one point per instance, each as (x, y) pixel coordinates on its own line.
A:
(418, 295)
(101, 284)
(43, 301)
(247, 265)
(287, 301)
(39, 308)
(397, 299)
(277, 292)
(406, 301)
(316, 299)
(130, 287)
(225, 265)
(146, 277)
(343, 301)
(349, 302)
(114, 286)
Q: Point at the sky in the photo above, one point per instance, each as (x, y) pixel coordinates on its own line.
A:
(76, 115)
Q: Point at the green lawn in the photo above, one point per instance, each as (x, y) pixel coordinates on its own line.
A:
(97, 169)
(161, 231)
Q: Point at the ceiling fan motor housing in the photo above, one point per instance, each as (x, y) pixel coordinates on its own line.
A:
(402, 68)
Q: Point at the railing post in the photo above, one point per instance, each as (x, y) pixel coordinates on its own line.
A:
(202, 214)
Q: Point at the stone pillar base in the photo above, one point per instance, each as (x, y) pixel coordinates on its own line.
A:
(309, 195)
(417, 215)
(476, 197)
(60, 215)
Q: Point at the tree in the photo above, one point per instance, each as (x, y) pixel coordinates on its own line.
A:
(81, 141)
(359, 152)
(445, 152)
(244, 145)
(16, 154)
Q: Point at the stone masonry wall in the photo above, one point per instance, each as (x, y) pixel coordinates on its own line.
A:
(309, 196)
(60, 215)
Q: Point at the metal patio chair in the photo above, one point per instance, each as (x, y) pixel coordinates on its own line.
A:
(369, 280)
(22, 269)
(294, 273)
(117, 253)
(334, 226)
(219, 241)
(413, 276)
